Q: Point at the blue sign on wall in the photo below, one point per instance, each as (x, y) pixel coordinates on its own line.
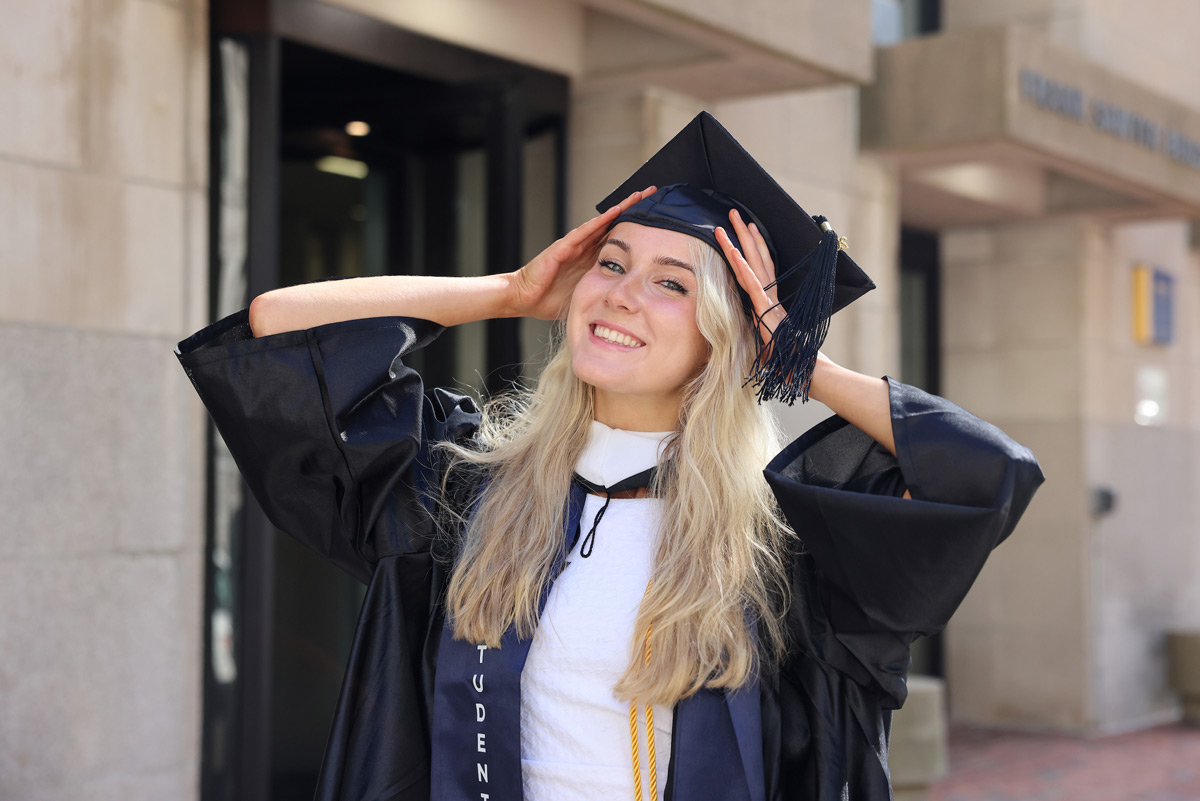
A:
(1164, 324)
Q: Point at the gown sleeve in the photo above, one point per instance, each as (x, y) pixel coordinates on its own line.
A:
(331, 430)
(888, 569)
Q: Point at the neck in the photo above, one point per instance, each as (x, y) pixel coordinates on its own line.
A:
(636, 412)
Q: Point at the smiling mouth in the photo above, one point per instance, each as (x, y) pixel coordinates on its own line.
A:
(606, 334)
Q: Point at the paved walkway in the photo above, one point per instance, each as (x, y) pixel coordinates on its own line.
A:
(1161, 764)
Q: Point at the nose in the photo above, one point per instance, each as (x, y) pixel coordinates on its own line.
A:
(623, 294)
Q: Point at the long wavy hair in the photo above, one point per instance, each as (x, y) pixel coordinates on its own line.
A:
(718, 568)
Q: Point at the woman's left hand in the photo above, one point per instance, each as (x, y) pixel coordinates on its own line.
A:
(755, 272)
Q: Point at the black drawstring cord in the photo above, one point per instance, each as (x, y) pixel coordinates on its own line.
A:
(639, 481)
(589, 542)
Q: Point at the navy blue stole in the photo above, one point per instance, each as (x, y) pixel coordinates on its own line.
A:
(476, 722)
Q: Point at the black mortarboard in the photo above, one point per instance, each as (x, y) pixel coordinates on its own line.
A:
(702, 173)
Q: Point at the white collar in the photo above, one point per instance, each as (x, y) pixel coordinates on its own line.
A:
(614, 454)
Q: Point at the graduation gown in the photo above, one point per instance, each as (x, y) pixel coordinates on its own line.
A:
(333, 434)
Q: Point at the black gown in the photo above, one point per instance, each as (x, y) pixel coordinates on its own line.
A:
(332, 433)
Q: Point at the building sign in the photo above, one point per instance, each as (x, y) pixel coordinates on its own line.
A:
(1070, 101)
(1153, 294)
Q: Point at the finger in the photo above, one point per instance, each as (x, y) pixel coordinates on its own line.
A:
(767, 310)
(741, 270)
(764, 253)
(747, 239)
(589, 230)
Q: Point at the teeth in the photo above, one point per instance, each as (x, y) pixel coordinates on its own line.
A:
(616, 337)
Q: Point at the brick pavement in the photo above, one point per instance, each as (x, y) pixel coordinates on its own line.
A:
(1160, 764)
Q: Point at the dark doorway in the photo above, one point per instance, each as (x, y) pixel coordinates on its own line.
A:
(921, 365)
(413, 156)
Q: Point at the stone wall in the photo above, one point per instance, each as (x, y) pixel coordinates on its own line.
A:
(1066, 626)
(103, 216)
(1151, 42)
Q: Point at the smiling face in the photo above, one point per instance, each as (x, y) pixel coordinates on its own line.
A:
(631, 327)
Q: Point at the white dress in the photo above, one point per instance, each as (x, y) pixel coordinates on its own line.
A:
(575, 742)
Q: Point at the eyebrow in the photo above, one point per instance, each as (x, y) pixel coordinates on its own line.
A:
(667, 261)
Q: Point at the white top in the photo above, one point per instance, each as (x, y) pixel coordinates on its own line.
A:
(574, 731)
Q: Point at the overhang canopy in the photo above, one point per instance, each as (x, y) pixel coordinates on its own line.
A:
(997, 124)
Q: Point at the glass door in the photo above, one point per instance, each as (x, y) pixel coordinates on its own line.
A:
(326, 166)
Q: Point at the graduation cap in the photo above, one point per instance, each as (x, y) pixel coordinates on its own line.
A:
(703, 173)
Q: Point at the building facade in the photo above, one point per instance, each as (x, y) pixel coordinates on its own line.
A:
(1021, 179)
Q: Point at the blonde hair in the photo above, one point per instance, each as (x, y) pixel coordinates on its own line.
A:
(719, 566)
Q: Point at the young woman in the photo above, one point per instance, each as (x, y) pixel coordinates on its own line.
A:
(592, 581)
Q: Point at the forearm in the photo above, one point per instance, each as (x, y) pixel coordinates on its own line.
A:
(446, 300)
(862, 400)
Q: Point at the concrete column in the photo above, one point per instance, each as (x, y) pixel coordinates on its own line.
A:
(1018, 648)
(1065, 627)
(103, 212)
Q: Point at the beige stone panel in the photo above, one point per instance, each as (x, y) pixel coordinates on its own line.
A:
(1027, 293)
(1039, 575)
(831, 200)
(136, 270)
(196, 113)
(1025, 384)
(967, 245)
(969, 317)
(1060, 507)
(1147, 555)
(137, 88)
(1138, 41)
(597, 171)
(1106, 298)
(1043, 241)
(834, 36)
(958, 14)
(896, 112)
(195, 301)
(106, 453)
(811, 135)
(667, 113)
(1038, 304)
(101, 675)
(970, 672)
(606, 118)
(1110, 385)
(20, 218)
(1031, 678)
(545, 33)
(875, 351)
(91, 252)
(41, 81)
(1043, 682)
(1132, 689)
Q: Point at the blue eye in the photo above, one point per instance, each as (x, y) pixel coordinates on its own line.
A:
(612, 266)
(675, 286)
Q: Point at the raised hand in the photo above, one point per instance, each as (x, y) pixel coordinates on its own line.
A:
(542, 288)
(755, 272)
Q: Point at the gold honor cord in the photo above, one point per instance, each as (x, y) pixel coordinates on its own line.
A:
(634, 741)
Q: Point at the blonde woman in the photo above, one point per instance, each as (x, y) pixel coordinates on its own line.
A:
(592, 590)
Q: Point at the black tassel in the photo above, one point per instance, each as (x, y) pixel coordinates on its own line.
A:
(786, 373)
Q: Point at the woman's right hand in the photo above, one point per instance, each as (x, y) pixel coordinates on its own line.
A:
(543, 287)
